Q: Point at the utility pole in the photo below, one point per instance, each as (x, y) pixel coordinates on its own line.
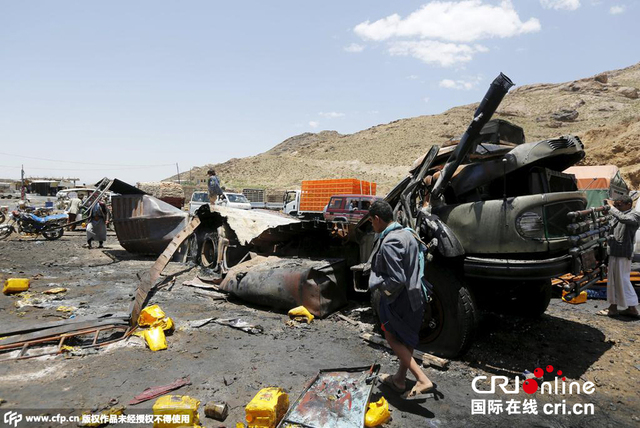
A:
(178, 169)
(22, 183)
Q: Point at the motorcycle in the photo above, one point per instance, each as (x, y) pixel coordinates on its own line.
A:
(50, 227)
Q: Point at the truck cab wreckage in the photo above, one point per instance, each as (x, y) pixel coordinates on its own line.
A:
(499, 216)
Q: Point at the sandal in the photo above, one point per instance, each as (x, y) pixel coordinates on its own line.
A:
(627, 313)
(387, 380)
(607, 313)
(414, 394)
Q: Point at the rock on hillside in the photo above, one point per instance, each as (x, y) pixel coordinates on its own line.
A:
(603, 110)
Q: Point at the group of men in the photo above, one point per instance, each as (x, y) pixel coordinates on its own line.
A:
(395, 272)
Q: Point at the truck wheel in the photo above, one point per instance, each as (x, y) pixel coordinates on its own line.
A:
(451, 316)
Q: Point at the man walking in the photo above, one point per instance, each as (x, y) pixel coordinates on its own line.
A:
(214, 186)
(620, 292)
(97, 227)
(74, 209)
(395, 271)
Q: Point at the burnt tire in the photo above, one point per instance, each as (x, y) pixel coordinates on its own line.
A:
(451, 317)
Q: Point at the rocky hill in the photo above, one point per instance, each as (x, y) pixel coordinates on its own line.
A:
(603, 110)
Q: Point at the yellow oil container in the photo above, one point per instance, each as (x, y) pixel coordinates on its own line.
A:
(15, 285)
(267, 408)
(377, 414)
(172, 411)
(156, 340)
(580, 298)
(150, 315)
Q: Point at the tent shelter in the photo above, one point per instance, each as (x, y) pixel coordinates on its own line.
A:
(600, 182)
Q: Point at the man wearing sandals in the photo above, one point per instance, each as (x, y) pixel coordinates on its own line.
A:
(395, 271)
(620, 292)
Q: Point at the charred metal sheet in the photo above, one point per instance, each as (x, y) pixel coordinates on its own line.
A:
(335, 398)
(246, 224)
(145, 224)
(284, 283)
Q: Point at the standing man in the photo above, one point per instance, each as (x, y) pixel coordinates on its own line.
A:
(620, 292)
(214, 186)
(395, 271)
(74, 209)
(97, 228)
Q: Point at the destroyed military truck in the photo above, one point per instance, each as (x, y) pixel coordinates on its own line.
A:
(501, 220)
(499, 217)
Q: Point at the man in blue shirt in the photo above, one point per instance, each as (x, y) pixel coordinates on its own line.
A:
(395, 271)
(214, 186)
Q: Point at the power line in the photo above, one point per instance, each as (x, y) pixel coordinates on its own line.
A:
(91, 169)
(82, 163)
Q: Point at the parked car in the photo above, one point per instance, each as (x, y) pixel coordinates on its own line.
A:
(348, 208)
(197, 200)
(234, 200)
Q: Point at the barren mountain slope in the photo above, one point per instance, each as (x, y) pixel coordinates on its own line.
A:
(603, 110)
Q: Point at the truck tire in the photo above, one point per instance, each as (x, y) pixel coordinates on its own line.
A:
(451, 317)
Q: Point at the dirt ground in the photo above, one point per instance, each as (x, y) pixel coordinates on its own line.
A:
(230, 365)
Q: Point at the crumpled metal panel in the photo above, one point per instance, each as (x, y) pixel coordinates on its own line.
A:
(145, 224)
(284, 283)
(335, 398)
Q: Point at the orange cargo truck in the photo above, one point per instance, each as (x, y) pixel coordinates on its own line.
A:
(311, 200)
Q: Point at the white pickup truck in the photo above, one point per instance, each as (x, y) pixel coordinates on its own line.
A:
(231, 200)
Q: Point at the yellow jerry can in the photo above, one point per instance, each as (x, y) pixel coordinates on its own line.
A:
(267, 408)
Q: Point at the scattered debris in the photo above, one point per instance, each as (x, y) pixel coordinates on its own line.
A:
(200, 323)
(198, 283)
(241, 325)
(66, 309)
(157, 391)
(377, 414)
(267, 408)
(427, 359)
(334, 398)
(301, 314)
(16, 285)
(217, 411)
(55, 290)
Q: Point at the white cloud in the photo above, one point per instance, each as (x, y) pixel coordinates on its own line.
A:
(354, 48)
(463, 21)
(460, 84)
(433, 52)
(616, 10)
(314, 124)
(331, 114)
(560, 4)
(412, 77)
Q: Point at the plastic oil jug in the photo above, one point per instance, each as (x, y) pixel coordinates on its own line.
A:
(267, 408)
(15, 285)
(580, 298)
(150, 315)
(377, 414)
(156, 340)
(181, 409)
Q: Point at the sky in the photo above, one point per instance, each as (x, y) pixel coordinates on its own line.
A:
(129, 89)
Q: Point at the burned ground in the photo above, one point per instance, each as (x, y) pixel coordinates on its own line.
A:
(230, 365)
